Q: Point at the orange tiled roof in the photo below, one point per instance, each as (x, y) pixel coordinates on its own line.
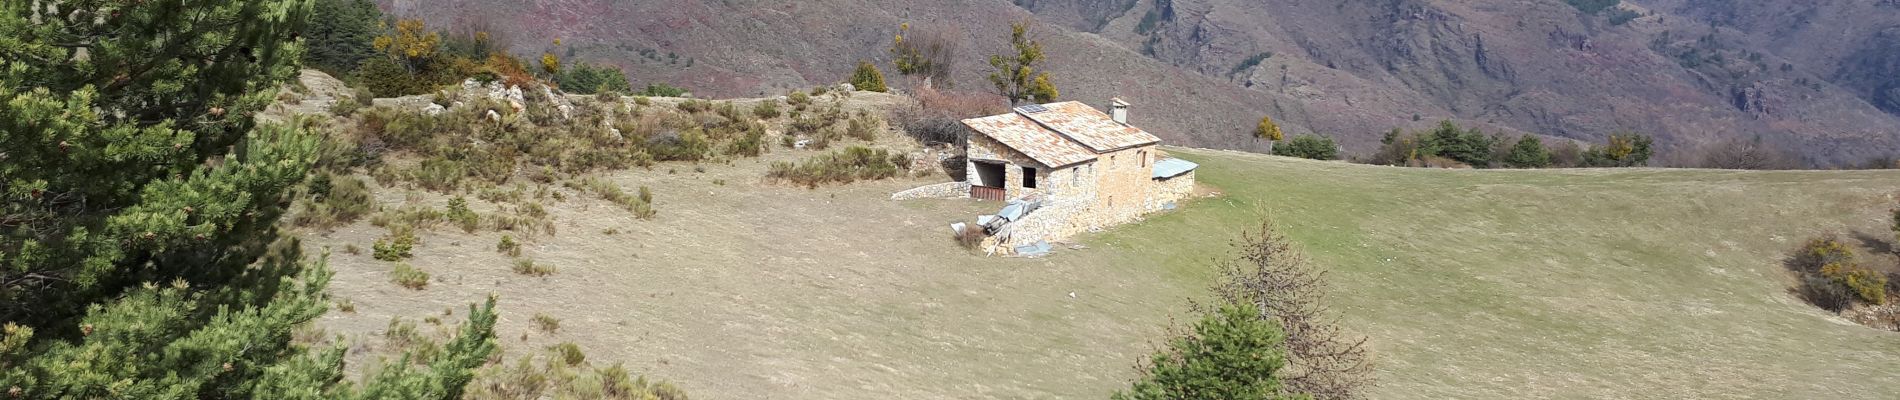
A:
(1031, 139)
(1087, 125)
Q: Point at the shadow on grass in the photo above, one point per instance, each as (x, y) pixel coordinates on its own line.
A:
(1874, 243)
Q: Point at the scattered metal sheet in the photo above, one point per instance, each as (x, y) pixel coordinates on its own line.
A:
(1037, 249)
(1172, 167)
(1012, 212)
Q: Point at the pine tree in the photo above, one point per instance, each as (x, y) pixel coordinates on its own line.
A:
(867, 78)
(1529, 152)
(341, 34)
(1016, 76)
(138, 251)
(1228, 354)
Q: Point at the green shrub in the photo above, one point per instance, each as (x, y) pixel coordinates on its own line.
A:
(409, 276)
(344, 107)
(553, 378)
(528, 267)
(767, 109)
(863, 128)
(508, 246)
(1866, 284)
(851, 164)
(569, 353)
(799, 100)
(334, 200)
(1822, 251)
(749, 144)
(695, 106)
(1310, 147)
(661, 90)
(1621, 150)
(395, 246)
(1529, 152)
(1829, 268)
(546, 323)
(459, 213)
(1229, 353)
(867, 78)
(641, 205)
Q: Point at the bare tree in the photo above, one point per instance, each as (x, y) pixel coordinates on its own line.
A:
(1744, 154)
(1281, 283)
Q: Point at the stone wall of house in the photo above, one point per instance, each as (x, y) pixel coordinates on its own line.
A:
(1125, 182)
(1122, 190)
(984, 148)
(1171, 190)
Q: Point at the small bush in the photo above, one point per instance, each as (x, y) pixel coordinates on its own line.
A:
(767, 109)
(1866, 284)
(395, 246)
(409, 276)
(799, 100)
(852, 164)
(569, 353)
(528, 267)
(868, 78)
(863, 128)
(640, 205)
(1832, 278)
(334, 200)
(1309, 146)
(695, 106)
(459, 213)
(508, 246)
(546, 323)
(662, 90)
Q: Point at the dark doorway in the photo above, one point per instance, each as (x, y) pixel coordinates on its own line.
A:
(989, 173)
(1029, 177)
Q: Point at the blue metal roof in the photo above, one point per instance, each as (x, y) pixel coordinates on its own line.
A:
(1172, 167)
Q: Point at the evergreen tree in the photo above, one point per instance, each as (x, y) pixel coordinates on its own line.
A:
(1449, 141)
(585, 78)
(341, 34)
(1230, 353)
(1622, 150)
(1529, 152)
(1017, 76)
(867, 78)
(1314, 147)
(138, 251)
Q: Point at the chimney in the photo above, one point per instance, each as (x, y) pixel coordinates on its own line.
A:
(1118, 110)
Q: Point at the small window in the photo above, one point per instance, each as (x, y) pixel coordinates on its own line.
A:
(1029, 177)
(1143, 155)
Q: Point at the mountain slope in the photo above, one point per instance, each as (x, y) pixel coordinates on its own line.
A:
(1201, 71)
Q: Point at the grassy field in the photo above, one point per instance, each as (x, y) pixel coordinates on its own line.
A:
(1471, 284)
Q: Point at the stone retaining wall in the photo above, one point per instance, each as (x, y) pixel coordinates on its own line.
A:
(945, 190)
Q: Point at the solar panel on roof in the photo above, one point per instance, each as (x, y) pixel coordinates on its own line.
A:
(1032, 109)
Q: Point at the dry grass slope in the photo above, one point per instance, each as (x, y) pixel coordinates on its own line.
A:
(1471, 284)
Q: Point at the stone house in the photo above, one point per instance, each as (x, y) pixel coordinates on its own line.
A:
(1089, 169)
